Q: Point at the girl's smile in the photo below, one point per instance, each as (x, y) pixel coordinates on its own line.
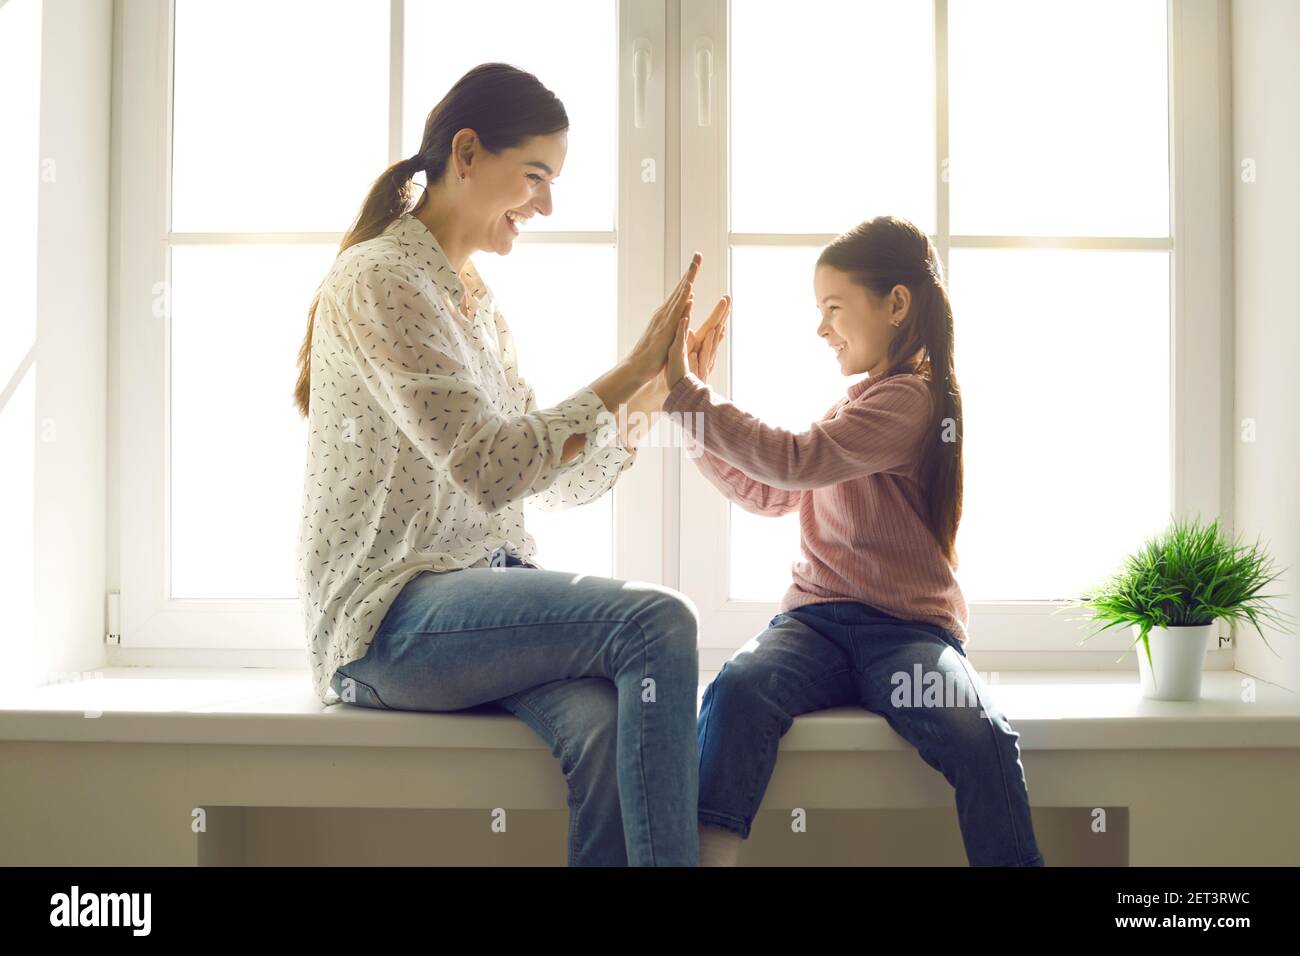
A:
(857, 325)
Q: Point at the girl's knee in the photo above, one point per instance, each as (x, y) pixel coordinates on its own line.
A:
(738, 689)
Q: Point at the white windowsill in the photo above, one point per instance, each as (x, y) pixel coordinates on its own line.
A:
(1051, 710)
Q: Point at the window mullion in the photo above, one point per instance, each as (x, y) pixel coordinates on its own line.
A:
(396, 78)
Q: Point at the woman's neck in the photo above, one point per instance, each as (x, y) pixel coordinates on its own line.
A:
(440, 219)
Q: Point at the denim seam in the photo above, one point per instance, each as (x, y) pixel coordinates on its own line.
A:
(649, 824)
(502, 627)
(781, 702)
(565, 756)
(369, 687)
(1002, 772)
(724, 820)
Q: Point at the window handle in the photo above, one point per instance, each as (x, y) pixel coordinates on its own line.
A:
(640, 80)
(703, 81)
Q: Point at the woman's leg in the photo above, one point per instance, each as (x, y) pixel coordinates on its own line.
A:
(925, 687)
(579, 719)
(787, 670)
(457, 639)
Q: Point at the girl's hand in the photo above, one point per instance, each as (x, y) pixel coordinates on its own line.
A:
(651, 350)
(703, 344)
(686, 343)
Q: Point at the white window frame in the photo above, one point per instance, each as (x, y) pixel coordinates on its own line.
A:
(683, 542)
(261, 631)
(1200, 382)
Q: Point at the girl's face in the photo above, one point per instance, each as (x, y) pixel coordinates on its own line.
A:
(857, 325)
(508, 189)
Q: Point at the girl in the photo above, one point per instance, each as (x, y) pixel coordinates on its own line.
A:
(878, 485)
(415, 568)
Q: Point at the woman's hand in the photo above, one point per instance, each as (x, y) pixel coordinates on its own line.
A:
(696, 351)
(649, 399)
(649, 354)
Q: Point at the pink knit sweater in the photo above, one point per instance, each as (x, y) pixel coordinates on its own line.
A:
(852, 478)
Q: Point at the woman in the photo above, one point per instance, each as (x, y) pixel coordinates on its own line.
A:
(874, 616)
(415, 566)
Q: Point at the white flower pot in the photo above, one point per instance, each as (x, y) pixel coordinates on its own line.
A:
(1177, 661)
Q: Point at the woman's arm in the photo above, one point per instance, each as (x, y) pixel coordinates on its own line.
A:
(411, 356)
(589, 475)
(593, 469)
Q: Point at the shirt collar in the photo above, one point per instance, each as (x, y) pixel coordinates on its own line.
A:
(416, 239)
(860, 386)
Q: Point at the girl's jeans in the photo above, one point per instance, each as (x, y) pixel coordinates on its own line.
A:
(605, 671)
(847, 653)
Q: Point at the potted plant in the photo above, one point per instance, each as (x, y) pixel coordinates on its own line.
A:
(1173, 591)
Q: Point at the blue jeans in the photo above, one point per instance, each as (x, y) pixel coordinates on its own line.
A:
(605, 671)
(846, 653)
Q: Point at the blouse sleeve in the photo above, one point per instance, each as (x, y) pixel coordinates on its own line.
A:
(880, 431)
(602, 461)
(412, 359)
(588, 476)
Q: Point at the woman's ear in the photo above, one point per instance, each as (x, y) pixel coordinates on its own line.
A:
(463, 147)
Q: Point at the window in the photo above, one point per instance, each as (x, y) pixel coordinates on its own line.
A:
(1034, 142)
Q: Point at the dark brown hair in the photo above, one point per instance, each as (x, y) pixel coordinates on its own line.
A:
(879, 254)
(502, 104)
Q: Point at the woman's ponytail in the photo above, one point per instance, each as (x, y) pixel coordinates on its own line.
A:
(389, 197)
(502, 104)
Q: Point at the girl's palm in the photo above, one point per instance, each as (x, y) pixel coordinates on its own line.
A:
(702, 345)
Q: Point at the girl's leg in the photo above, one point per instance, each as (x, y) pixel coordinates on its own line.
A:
(787, 670)
(457, 639)
(579, 719)
(925, 687)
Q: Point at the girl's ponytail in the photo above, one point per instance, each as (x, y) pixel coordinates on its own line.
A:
(880, 254)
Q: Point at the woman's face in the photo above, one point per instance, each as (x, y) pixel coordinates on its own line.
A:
(856, 324)
(515, 185)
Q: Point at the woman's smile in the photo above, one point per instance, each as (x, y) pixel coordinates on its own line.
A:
(514, 220)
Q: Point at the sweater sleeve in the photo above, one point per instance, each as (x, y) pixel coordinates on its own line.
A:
(879, 431)
(754, 496)
(415, 362)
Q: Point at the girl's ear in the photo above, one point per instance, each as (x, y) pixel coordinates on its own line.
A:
(900, 300)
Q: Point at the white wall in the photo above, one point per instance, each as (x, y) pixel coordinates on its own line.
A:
(1266, 238)
(20, 126)
(71, 360)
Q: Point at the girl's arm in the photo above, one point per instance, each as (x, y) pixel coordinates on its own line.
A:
(754, 496)
(878, 431)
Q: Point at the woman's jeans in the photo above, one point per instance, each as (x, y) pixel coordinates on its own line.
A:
(605, 671)
(846, 653)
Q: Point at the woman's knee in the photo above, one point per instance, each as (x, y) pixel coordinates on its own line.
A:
(672, 616)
